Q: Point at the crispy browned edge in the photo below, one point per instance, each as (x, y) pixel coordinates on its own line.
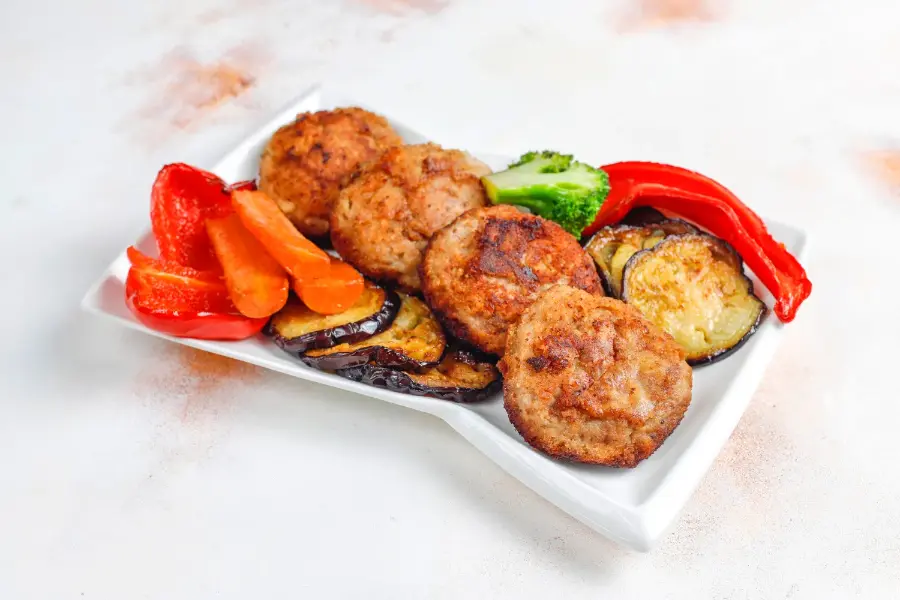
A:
(454, 327)
(632, 460)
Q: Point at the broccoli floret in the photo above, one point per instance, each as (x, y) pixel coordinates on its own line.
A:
(552, 185)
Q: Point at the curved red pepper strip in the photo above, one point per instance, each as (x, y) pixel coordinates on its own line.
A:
(760, 251)
(630, 173)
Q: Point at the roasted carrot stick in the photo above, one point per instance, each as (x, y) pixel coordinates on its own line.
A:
(262, 217)
(333, 293)
(257, 284)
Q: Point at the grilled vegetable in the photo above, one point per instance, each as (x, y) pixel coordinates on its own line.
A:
(693, 286)
(297, 329)
(612, 246)
(414, 340)
(182, 301)
(333, 293)
(181, 200)
(460, 377)
(261, 215)
(643, 215)
(716, 209)
(257, 284)
(552, 185)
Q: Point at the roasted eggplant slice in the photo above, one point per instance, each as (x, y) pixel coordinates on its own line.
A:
(296, 329)
(693, 286)
(612, 246)
(460, 377)
(414, 340)
(604, 244)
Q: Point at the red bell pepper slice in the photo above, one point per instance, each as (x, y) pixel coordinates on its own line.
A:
(183, 302)
(202, 326)
(182, 199)
(714, 208)
(624, 175)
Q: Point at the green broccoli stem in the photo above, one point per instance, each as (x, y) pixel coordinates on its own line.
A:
(537, 201)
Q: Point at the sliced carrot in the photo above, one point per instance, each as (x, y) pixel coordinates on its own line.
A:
(261, 216)
(334, 293)
(257, 284)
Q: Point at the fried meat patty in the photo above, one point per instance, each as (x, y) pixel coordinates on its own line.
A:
(306, 163)
(588, 378)
(480, 272)
(383, 220)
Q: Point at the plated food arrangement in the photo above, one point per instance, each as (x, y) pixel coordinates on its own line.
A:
(586, 294)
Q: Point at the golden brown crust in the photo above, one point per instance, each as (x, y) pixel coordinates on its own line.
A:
(480, 272)
(383, 220)
(589, 379)
(306, 163)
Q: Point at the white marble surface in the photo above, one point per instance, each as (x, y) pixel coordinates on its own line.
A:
(136, 469)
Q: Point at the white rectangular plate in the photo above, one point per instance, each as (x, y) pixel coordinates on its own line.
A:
(633, 507)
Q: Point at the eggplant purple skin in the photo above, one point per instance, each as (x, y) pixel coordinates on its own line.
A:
(380, 355)
(713, 357)
(467, 353)
(349, 333)
(400, 381)
(605, 283)
(643, 215)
